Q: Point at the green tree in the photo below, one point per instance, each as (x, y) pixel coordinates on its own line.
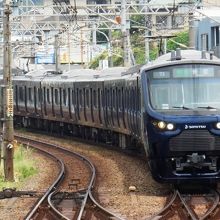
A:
(181, 38)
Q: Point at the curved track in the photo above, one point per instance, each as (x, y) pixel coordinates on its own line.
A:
(60, 202)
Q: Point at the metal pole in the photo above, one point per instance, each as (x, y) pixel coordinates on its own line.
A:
(110, 48)
(81, 47)
(192, 29)
(147, 33)
(57, 57)
(69, 54)
(125, 34)
(8, 129)
(94, 42)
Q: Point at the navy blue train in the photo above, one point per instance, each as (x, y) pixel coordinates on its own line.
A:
(169, 109)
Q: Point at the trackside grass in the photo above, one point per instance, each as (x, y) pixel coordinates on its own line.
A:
(24, 167)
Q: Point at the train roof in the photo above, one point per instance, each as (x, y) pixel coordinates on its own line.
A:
(14, 71)
(80, 74)
(181, 57)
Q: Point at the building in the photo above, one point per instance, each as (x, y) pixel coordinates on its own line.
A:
(208, 37)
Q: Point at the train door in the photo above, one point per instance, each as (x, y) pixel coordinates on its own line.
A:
(101, 104)
(85, 102)
(123, 104)
(61, 101)
(118, 102)
(44, 101)
(127, 106)
(138, 108)
(74, 103)
(93, 93)
(25, 98)
(16, 99)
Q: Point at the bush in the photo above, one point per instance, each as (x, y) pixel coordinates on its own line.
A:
(24, 167)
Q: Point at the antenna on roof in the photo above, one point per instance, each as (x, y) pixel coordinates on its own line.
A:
(203, 54)
(173, 55)
(178, 54)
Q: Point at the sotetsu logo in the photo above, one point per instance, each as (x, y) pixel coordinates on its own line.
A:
(195, 127)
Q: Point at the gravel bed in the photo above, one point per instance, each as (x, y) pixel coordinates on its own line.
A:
(116, 172)
(17, 208)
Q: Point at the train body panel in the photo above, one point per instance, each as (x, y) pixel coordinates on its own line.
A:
(181, 116)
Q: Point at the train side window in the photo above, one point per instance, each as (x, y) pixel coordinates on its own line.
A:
(105, 98)
(130, 95)
(56, 97)
(94, 99)
(133, 95)
(21, 94)
(64, 97)
(48, 96)
(119, 98)
(99, 98)
(73, 97)
(16, 93)
(87, 98)
(30, 96)
(138, 99)
(109, 97)
(39, 95)
(110, 104)
(127, 100)
(122, 98)
(113, 98)
(99, 102)
(44, 94)
(80, 97)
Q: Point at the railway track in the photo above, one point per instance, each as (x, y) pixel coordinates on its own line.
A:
(191, 206)
(68, 197)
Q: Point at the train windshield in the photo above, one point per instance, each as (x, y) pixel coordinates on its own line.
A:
(185, 87)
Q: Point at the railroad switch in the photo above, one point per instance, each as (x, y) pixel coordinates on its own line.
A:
(11, 192)
(74, 183)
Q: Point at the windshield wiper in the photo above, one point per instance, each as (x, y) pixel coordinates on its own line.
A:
(181, 107)
(206, 107)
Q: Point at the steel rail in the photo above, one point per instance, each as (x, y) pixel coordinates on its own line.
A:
(88, 193)
(54, 208)
(214, 206)
(174, 196)
(52, 187)
(189, 210)
(104, 209)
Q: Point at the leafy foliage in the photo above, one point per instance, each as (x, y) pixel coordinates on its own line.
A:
(138, 46)
(181, 37)
(24, 167)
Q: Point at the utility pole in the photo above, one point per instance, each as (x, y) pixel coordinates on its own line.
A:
(147, 33)
(81, 46)
(57, 54)
(192, 28)
(69, 53)
(94, 41)
(8, 129)
(125, 34)
(110, 48)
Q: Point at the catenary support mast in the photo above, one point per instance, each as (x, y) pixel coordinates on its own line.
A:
(8, 129)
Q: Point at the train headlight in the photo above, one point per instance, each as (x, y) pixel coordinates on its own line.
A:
(161, 124)
(170, 126)
(218, 125)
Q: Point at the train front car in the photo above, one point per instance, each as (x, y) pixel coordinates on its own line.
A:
(181, 118)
